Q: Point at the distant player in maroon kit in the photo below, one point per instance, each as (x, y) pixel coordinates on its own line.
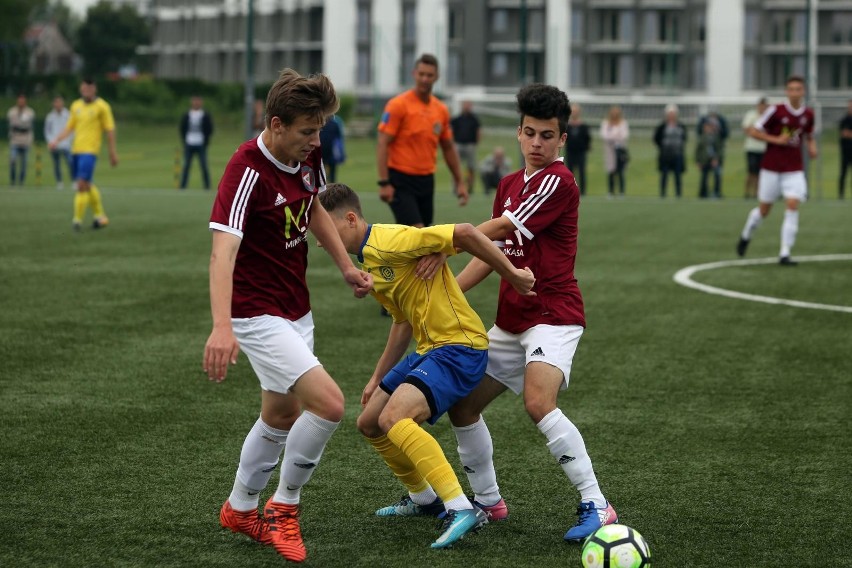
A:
(532, 344)
(782, 174)
(267, 201)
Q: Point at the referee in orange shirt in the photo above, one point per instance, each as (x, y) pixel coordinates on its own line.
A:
(412, 126)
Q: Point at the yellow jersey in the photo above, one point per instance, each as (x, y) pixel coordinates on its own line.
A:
(436, 309)
(89, 121)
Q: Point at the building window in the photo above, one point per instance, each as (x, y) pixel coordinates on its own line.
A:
(454, 68)
(608, 27)
(699, 73)
(750, 78)
(752, 27)
(362, 73)
(456, 23)
(662, 70)
(577, 71)
(409, 22)
(841, 28)
(578, 27)
(661, 26)
(787, 27)
(499, 21)
(782, 66)
(699, 26)
(364, 25)
(499, 65)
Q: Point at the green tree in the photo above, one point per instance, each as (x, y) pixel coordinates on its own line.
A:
(109, 37)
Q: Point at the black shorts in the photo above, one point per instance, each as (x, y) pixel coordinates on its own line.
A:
(753, 159)
(414, 198)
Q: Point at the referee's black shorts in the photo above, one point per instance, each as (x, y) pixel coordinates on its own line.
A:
(414, 198)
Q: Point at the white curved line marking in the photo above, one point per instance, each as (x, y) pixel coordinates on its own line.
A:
(684, 278)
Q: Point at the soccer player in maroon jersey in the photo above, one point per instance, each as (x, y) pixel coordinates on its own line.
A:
(267, 201)
(782, 174)
(532, 344)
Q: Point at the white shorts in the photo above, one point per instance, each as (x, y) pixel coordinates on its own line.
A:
(279, 350)
(772, 185)
(510, 353)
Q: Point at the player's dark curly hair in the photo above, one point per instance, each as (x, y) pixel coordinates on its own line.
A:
(338, 198)
(544, 102)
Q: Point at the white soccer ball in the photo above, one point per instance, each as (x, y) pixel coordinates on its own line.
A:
(616, 546)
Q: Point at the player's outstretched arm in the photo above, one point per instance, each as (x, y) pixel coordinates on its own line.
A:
(468, 238)
(222, 347)
(399, 337)
(323, 229)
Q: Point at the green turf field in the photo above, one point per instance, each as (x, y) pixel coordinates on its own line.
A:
(719, 428)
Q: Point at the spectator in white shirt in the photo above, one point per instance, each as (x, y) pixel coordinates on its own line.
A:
(54, 123)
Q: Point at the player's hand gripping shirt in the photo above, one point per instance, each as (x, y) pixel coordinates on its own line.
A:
(89, 121)
(268, 204)
(798, 123)
(436, 309)
(544, 210)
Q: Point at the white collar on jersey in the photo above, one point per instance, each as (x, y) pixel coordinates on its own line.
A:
(795, 111)
(529, 177)
(280, 165)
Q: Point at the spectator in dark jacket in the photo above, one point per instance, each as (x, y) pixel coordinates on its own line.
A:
(196, 128)
(670, 138)
(577, 147)
(331, 142)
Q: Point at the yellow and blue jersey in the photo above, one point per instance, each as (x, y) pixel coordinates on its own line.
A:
(89, 121)
(437, 309)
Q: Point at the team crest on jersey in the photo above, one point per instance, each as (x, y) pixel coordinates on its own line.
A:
(387, 273)
(308, 179)
(436, 128)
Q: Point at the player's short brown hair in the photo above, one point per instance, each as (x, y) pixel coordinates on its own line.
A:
(795, 79)
(338, 198)
(427, 59)
(293, 96)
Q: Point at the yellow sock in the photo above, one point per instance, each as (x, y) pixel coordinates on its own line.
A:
(399, 464)
(426, 455)
(95, 202)
(81, 201)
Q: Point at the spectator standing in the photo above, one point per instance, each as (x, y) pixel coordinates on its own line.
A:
(21, 119)
(670, 139)
(615, 133)
(577, 146)
(258, 121)
(722, 128)
(493, 168)
(754, 148)
(333, 149)
(412, 127)
(54, 123)
(466, 134)
(845, 148)
(196, 128)
(708, 157)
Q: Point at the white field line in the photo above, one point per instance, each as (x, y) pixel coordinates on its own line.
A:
(684, 278)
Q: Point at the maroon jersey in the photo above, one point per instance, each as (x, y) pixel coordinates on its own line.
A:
(798, 123)
(544, 211)
(267, 204)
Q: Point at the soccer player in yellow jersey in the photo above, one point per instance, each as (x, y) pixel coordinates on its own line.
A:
(91, 116)
(449, 361)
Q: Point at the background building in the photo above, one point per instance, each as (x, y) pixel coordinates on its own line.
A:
(715, 50)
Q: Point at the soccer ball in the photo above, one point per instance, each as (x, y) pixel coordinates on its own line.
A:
(616, 546)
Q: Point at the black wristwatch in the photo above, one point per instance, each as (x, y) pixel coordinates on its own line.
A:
(383, 182)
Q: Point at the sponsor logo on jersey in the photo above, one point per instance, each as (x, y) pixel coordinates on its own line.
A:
(566, 459)
(387, 273)
(513, 252)
(308, 179)
(539, 352)
(280, 200)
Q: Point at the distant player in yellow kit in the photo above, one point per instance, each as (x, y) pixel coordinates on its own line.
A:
(91, 116)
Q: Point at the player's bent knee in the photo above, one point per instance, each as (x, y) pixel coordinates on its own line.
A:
(538, 407)
(368, 426)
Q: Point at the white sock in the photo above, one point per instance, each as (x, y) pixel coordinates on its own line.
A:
(566, 445)
(460, 503)
(261, 450)
(305, 445)
(789, 228)
(752, 223)
(425, 497)
(476, 451)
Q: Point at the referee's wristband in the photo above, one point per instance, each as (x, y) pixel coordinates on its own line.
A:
(383, 182)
